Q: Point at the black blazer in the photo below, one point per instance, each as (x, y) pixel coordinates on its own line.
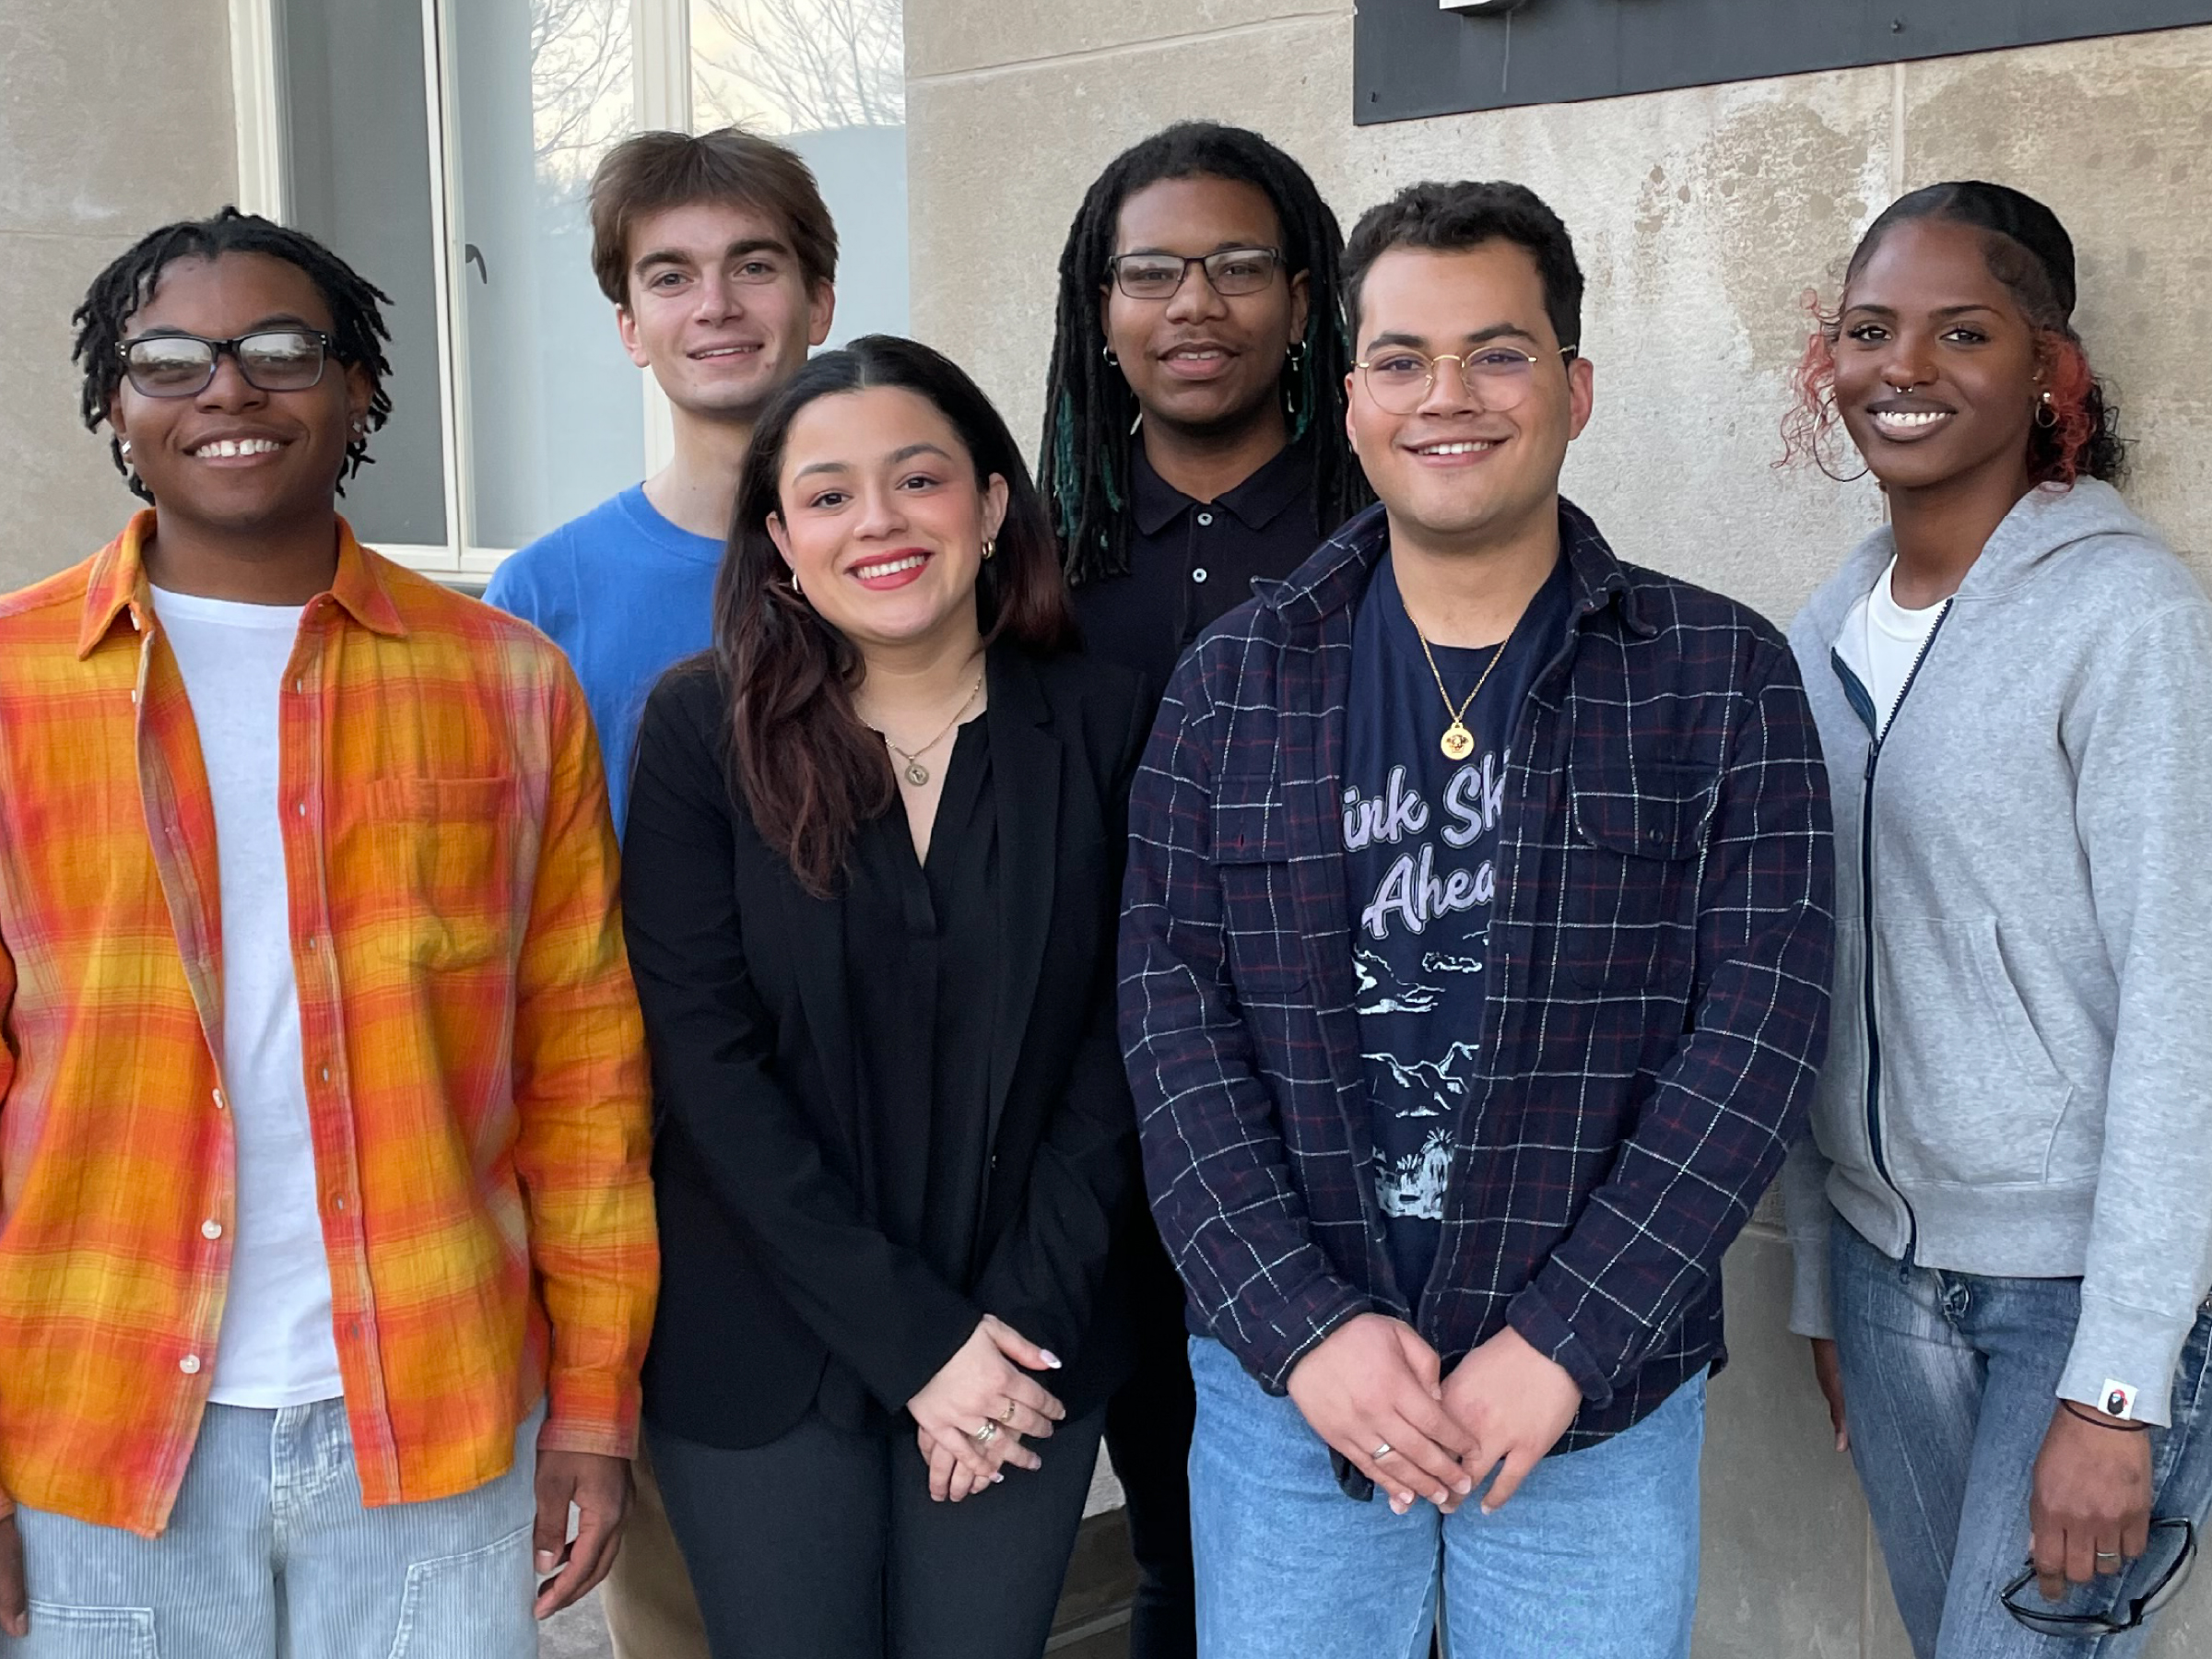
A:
(778, 1291)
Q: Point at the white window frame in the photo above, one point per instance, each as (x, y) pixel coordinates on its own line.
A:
(661, 58)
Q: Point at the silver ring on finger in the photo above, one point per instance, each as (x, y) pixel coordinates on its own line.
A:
(2109, 1555)
(1380, 1453)
(986, 1434)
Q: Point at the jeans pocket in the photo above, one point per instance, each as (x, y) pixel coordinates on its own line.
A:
(59, 1632)
(471, 1606)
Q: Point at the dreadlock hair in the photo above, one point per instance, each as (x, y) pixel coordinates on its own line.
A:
(2029, 251)
(1084, 468)
(358, 330)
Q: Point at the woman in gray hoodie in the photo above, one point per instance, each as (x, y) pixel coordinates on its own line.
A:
(2003, 1220)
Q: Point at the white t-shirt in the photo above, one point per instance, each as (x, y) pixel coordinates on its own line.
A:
(1881, 641)
(276, 1347)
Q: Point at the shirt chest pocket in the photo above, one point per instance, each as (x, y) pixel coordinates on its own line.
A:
(1627, 912)
(440, 851)
(1259, 921)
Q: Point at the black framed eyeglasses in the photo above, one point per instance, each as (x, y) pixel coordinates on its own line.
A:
(181, 365)
(1230, 272)
(2138, 1609)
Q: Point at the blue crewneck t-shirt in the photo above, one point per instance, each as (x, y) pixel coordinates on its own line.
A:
(627, 594)
(1420, 837)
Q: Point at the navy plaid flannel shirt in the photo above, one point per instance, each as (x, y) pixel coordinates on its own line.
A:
(1656, 1005)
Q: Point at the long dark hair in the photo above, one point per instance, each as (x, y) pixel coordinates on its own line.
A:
(2029, 252)
(808, 771)
(1083, 464)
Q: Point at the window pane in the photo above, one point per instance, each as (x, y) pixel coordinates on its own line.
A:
(827, 77)
(555, 408)
(358, 149)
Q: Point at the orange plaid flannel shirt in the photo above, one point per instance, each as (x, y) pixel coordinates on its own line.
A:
(475, 1067)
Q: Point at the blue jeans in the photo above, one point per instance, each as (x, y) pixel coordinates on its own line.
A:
(1595, 1556)
(269, 1551)
(1949, 1380)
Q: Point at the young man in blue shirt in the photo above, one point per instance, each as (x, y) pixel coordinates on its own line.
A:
(1474, 977)
(720, 259)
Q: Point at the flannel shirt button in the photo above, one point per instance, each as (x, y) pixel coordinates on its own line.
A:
(219, 1099)
(300, 807)
(189, 1365)
(211, 1229)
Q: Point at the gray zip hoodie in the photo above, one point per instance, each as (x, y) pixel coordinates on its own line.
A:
(2019, 1079)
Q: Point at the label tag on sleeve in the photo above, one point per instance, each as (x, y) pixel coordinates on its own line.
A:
(2119, 1399)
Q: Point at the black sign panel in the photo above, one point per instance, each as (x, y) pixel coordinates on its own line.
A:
(1412, 58)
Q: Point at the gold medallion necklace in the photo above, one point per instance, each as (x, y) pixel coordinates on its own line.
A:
(916, 773)
(1457, 742)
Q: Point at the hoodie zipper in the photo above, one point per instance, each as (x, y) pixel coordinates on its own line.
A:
(1862, 703)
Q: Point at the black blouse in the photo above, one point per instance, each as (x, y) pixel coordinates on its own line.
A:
(921, 956)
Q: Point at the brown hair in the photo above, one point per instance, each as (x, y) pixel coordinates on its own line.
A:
(806, 769)
(651, 172)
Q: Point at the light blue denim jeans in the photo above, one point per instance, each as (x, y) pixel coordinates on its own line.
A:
(1595, 1556)
(1949, 1380)
(269, 1551)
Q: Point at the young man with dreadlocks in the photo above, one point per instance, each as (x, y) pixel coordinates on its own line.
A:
(1475, 971)
(719, 257)
(1194, 426)
(1194, 443)
(328, 1257)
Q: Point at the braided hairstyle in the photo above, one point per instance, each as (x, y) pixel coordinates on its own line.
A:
(358, 330)
(1084, 466)
(2029, 251)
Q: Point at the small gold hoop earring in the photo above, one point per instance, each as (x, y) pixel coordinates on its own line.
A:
(2046, 413)
(990, 547)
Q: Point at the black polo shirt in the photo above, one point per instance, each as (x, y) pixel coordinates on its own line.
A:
(1191, 561)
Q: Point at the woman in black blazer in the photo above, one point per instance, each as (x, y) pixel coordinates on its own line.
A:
(871, 878)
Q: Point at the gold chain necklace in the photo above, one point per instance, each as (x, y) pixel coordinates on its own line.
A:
(916, 773)
(1457, 742)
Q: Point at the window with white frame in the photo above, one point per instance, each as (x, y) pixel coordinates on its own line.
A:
(445, 148)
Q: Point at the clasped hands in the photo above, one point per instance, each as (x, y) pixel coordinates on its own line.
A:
(1373, 1386)
(986, 1381)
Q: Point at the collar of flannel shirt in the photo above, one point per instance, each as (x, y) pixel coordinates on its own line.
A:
(118, 584)
(1336, 575)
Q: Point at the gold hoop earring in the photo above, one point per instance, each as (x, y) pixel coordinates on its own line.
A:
(2046, 414)
(990, 547)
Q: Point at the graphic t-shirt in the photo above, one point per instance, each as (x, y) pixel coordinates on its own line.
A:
(627, 594)
(1420, 837)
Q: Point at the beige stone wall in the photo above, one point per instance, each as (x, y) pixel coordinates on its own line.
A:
(115, 117)
(1701, 215)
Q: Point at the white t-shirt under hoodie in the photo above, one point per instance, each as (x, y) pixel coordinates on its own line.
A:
(276, 1347)
(1881, 640)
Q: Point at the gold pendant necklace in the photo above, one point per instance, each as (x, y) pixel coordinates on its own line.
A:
(916, 773)
(1457, 742)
